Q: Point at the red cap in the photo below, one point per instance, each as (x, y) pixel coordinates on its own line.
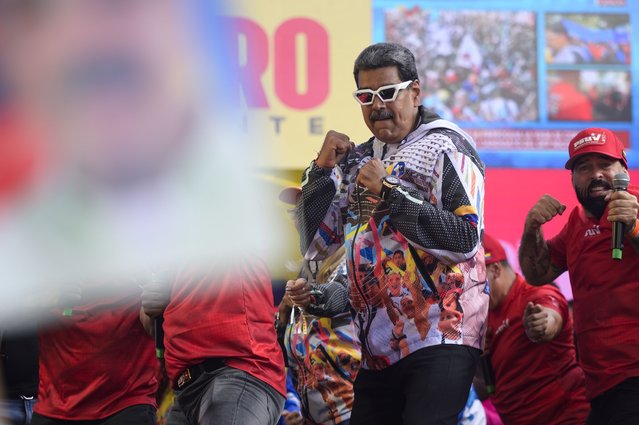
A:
(494, 252)
(290, 195)
(596, 140)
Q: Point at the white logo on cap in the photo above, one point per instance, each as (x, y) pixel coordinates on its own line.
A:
(593, 139)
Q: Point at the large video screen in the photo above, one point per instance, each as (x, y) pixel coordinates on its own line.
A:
(522, 77)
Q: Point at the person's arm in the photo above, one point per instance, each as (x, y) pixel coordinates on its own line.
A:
(147, 323)
(450, 232)
(325, 300)
(284, 312)
(331, 299)
(632, 236)
(282, 319)
(316, 208)
(534, 254)
(156, 294)
(541, 323)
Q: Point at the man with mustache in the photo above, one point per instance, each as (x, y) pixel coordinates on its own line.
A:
(416, 187)
(606, 296)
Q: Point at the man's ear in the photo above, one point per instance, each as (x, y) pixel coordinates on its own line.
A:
(497, 269)
(416, 90)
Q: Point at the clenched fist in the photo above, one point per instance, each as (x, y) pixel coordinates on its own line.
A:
(336, 146)
(544, 210)
(540, 324)
(370, 176)
(299, 292)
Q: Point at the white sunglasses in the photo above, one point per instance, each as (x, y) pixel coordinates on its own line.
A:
(385, 93)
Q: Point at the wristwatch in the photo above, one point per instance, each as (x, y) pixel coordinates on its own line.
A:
(388, 183)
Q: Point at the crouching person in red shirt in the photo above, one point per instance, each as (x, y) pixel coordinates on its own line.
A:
(221, 352)
(531, 348)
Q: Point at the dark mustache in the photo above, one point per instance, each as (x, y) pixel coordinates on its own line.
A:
(382, 114)
(599, 184)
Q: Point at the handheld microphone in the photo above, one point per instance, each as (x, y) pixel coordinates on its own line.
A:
(619, 182)
(159, 336)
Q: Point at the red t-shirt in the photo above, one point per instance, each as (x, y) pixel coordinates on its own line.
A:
(225, 312)
(96, 362)
(566, 103)
(534, 383)
(606, 299)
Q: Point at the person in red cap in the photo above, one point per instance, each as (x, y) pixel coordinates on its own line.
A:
(606, 290)
(531, 348)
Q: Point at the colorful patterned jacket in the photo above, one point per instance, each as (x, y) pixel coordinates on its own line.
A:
(323, 353)
(438, 209)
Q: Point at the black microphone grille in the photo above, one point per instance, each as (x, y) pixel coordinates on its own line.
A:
(621, 181)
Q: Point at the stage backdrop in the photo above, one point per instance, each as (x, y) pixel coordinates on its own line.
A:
(295, 62)
(522, 77)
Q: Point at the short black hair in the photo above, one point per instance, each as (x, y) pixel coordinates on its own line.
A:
(381, 55)
(558, 28)
(399, 251)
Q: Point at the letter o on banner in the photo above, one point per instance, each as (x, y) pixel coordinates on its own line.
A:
(317, 63)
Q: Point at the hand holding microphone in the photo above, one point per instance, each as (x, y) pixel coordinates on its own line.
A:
(156, 293)
(622, 212)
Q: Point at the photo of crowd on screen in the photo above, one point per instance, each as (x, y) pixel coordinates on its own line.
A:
(471, 72)
(587, 38)
(589, 95)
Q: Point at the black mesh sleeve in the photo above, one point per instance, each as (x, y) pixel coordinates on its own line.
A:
(331, 299)
(318, 191)
(431, 227)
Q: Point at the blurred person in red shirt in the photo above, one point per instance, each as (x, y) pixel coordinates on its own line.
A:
(531, 348)
(130, 101)
(221, 351)
(97, 363)
(116, 90)
(565, 101)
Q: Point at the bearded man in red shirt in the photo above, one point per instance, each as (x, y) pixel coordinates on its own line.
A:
(606, 303)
